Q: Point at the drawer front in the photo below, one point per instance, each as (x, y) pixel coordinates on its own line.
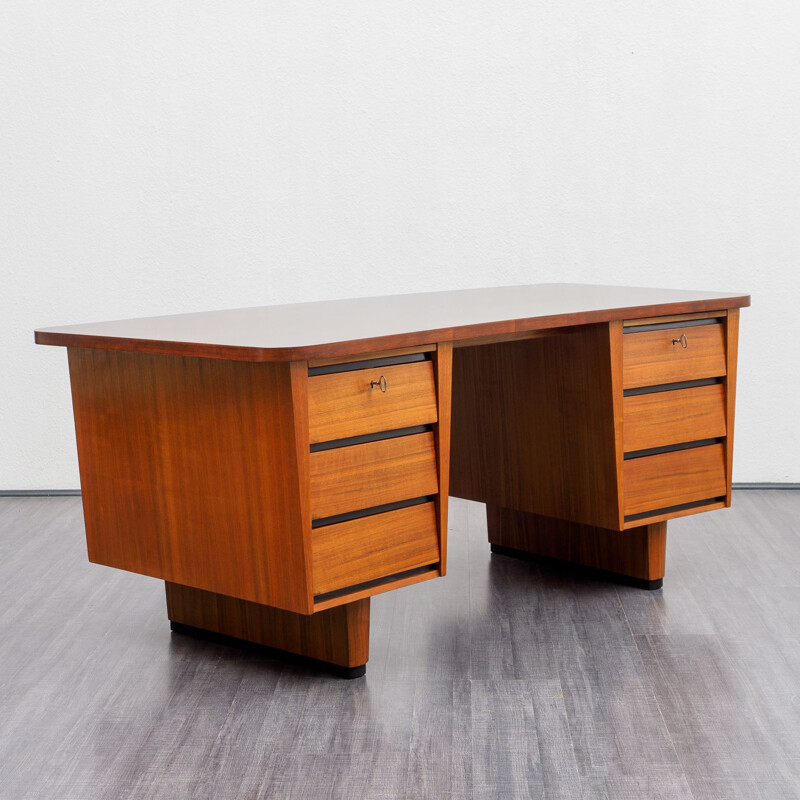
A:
(650, 358)
(682, 415)
(360, 550)
(670, 479)
(366, 475)
(344, 404)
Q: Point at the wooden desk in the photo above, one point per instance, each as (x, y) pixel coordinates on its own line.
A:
(278, 466)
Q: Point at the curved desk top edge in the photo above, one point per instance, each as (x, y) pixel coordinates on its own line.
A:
(332, 328)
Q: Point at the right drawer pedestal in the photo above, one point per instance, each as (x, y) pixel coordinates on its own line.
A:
(676, 432)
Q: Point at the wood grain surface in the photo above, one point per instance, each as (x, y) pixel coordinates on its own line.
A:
(360, 550)
(664, 418)
(533, 426)
(340, 635)
(673, 478)
(732, 355)
(190, 472)
(443, 368)
(650, 357)
(615, 366)
(366, 475)
(344, 404)
(639, 552)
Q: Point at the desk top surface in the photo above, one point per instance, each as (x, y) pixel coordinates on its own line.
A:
(368, 324)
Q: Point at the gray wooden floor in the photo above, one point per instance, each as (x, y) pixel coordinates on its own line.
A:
(504, 680)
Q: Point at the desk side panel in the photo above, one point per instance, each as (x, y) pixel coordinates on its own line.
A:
(732, 353)
(443, 365)
(189, 472)
(533, 426)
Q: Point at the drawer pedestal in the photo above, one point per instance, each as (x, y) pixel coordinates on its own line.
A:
(634, 557)
(584, 443)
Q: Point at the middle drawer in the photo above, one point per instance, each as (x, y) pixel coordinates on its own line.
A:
(365, 475)
(657, 419)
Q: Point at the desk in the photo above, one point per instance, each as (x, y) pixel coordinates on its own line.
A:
(278, 466)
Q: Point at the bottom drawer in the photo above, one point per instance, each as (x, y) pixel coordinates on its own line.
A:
(669, 479)
(360, 550)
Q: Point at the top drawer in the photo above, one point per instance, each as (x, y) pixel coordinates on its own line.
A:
(658, 354)
(348, 403)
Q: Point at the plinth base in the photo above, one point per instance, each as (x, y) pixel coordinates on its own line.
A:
(635, 557)
(335, 640)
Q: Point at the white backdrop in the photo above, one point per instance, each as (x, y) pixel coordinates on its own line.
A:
(157, 157)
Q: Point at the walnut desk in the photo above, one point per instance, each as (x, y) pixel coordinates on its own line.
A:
(278, 466)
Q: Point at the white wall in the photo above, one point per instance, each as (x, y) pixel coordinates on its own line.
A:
(157, 157)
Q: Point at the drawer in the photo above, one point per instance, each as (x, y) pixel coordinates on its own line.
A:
(365, 475)
(670, 479)
(343, 404)
(365, 549)
(657, 419)
(650, 358)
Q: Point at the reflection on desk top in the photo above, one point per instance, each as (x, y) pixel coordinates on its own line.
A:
(367, 324)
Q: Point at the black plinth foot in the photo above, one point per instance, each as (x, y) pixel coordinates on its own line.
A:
(270, 652)
(571, 566)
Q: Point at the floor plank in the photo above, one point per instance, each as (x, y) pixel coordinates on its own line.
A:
(505, 679)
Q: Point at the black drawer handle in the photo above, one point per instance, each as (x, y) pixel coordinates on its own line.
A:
(683, 341)
(380, 383)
